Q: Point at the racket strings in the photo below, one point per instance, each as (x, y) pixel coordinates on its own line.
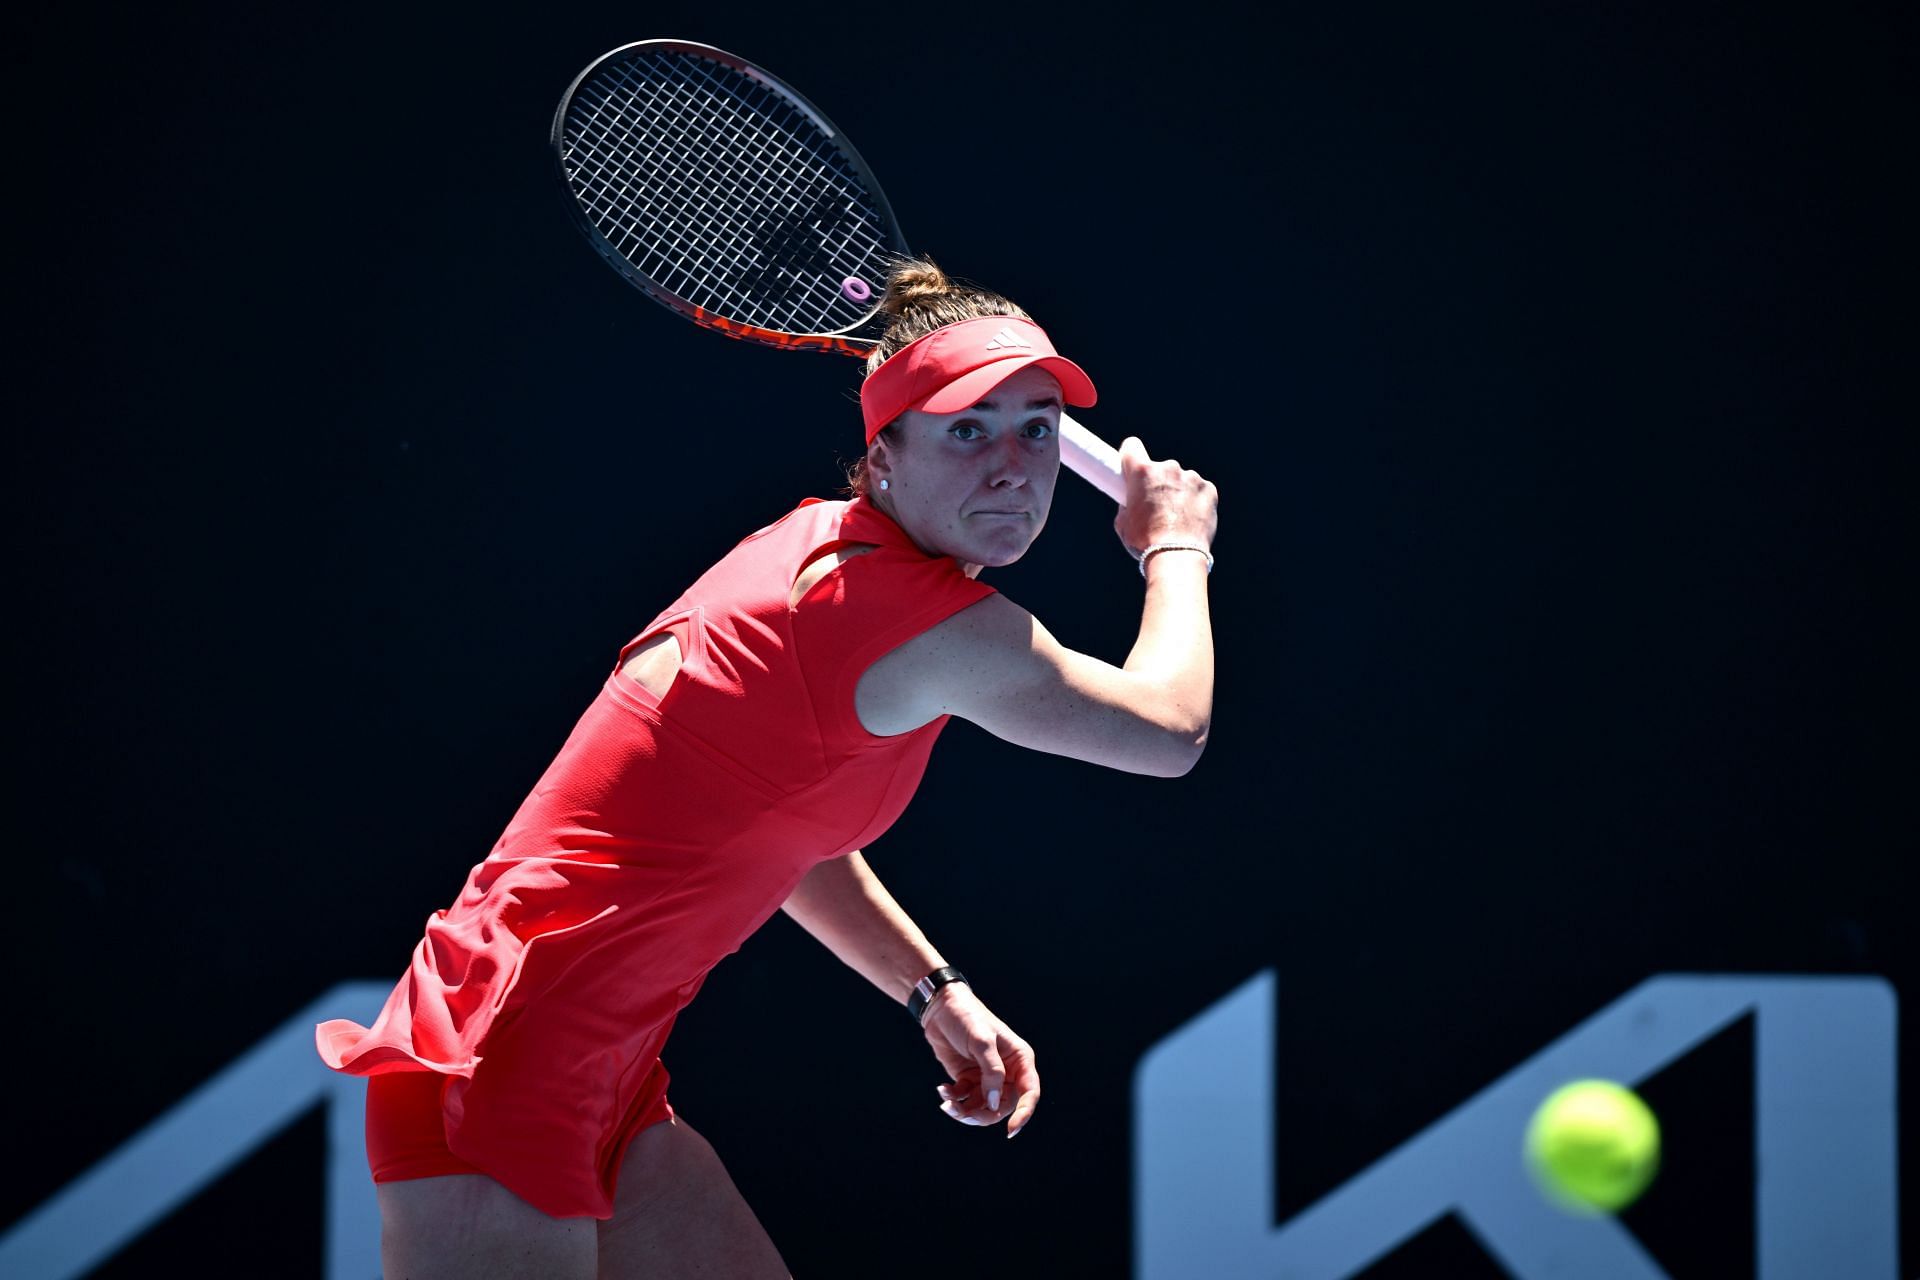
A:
(777, 241)
(810, 178)
(646, 207)
(724, 192)
(722, 210)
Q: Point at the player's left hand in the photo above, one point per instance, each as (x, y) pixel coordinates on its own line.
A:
(992, 1070)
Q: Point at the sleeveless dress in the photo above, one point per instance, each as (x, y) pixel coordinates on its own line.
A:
(665, 832)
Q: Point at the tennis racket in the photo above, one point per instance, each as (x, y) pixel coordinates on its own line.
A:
(718, 191)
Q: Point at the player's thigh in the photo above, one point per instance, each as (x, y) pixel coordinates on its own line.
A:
(465, 1226)
(676, 1213)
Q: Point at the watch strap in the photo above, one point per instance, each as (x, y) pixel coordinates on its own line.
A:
(923, 990)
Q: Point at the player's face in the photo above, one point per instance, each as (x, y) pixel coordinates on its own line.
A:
(977, 485)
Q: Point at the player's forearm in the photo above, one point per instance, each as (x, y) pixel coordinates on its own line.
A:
(843, 904)
(1175, 646)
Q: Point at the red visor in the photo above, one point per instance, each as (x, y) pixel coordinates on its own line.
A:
(956, 365)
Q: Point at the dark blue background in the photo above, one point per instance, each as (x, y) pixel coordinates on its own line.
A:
(1545, 359)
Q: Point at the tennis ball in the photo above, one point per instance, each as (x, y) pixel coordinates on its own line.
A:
(1593, 1146)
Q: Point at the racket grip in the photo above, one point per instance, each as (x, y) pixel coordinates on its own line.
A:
(1092, 459)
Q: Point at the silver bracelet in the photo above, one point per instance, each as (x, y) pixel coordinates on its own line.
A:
(1158, 547)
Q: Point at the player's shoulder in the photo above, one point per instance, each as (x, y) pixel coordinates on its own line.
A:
(989, 647)
(986, 633)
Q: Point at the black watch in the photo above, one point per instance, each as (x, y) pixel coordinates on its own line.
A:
(923, 990)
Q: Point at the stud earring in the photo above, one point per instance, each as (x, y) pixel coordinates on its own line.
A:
(883, 484)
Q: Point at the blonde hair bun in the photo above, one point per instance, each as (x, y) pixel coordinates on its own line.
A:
(914, 282)
(920, 298)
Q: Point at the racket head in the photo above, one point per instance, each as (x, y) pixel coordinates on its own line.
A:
(720, 192)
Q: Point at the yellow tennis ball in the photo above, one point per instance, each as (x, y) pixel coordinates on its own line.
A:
(1593, 1145)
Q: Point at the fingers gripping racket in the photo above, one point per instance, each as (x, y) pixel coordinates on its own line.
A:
(720, 192)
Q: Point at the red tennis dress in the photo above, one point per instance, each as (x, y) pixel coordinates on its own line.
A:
(665, 833)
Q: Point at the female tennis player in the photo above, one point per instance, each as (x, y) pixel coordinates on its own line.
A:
(746, 745)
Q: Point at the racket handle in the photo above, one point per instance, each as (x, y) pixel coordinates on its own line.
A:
(1092, 459)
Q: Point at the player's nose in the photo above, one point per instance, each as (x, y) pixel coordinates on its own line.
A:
(1011, 464)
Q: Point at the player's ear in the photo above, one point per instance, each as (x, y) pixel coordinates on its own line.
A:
(879, 459)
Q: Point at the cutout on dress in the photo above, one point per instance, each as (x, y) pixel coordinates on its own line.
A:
(823, 561)
(653, 661)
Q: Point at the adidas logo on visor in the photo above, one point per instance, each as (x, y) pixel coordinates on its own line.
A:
(1006, 339)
